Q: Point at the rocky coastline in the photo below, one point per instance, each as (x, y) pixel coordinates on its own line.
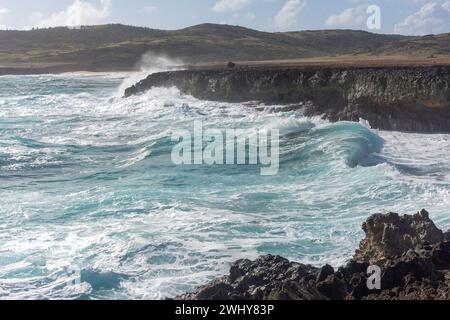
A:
(403, 98)
(412, 254)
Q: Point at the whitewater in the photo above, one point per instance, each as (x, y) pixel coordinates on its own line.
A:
(87, 186)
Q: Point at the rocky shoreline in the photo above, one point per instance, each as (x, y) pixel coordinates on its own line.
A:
(412, 254)
(403, 98)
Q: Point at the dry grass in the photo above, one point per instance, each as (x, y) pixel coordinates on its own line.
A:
(335, 62)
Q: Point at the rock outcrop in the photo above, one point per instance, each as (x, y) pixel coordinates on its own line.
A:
(389, 236)
(413, 99)
(269, 277)
(411, 253)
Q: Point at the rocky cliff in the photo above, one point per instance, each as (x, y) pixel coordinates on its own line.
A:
(412, 254)
(413, 99)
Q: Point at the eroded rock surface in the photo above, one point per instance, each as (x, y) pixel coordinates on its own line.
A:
(389, 236)
(412, 253)
(393, 98)
(268, 277)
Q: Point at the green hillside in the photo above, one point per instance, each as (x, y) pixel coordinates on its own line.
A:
(121, 47)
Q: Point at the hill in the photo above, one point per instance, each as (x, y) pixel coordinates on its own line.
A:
(120, 47)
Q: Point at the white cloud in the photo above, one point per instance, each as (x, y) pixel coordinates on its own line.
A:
(433, 17)
(238, 18)
(349, 18)
(36, 16)
(77, 14)
(150, 9)
(230, 5)
(250, 16)
(288, 15)
(3, 12)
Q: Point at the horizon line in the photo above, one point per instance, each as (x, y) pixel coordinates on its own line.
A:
(212, 24)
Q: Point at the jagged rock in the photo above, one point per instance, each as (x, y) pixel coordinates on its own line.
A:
(292, 290)
(441, 256)
(355, 276)
(265, 278)
(391, 98)
(396, 271)
(333, 288)
(411, 252)
(389, 236)
(218, 290)
(325, 272)
(447, 235)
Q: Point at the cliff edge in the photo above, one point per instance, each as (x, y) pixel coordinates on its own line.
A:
(414, 99)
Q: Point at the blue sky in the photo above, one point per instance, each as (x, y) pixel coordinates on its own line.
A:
(397, 16)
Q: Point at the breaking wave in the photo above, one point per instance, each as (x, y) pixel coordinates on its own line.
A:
(87, 184)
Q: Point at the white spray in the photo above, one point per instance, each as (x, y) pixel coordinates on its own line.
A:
(150, 63)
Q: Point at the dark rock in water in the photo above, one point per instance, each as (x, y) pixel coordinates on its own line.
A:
(269, 277)
(413, 99)
(411, 253)
(389, 236)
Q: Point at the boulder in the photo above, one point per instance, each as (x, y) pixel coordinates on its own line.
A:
(389, 236)
(412, 253)
(268, 277)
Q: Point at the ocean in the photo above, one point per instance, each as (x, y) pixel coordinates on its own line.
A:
(92, 206)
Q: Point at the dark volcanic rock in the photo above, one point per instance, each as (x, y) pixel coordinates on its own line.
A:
(389, 236)
(403, 98)
(447, 235)
(412, 254)
(269, 277)
(420, 274)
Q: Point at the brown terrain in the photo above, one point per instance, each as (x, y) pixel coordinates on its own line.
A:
(121, 48)
(327, 63)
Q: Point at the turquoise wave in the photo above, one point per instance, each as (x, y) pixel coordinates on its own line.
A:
(87, 183)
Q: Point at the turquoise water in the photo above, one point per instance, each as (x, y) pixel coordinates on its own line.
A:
(87, 184)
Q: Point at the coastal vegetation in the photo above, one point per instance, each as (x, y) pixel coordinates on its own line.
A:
(117, 47)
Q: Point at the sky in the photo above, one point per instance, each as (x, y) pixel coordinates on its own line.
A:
(410, 17)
